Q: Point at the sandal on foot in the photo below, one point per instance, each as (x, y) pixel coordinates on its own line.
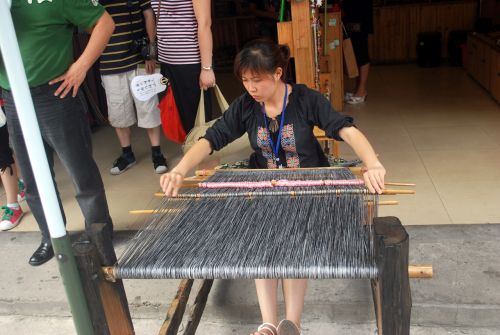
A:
(287, 327)
(267, 329)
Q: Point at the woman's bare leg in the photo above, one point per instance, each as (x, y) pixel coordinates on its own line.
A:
(294, 291)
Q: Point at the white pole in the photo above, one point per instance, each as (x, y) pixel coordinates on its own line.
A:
(29, 124)
(43, 178)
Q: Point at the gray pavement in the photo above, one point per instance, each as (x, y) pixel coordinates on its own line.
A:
(462, 298)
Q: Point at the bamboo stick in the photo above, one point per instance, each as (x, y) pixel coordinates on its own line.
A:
(420, 271)
(384, 192)
(174, 210)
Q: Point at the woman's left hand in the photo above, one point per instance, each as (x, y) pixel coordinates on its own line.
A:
(207, 79)
(374, 177)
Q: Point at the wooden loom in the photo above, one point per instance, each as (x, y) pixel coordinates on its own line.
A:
(391, 291)
(298, 35)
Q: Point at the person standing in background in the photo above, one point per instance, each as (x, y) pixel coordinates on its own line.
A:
(184, 39)
(127, 48)
(45, 35)
(357, 17)
(12, 212)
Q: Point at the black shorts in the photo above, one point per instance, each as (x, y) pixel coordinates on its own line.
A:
(6, 158)
(360, 46)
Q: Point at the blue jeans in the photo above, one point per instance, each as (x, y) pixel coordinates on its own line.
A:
(65, 130)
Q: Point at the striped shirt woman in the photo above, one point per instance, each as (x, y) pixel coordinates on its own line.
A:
(184, 40)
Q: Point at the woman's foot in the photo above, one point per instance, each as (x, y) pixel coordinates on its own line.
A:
(287, 327)
(354, 100)
(266, 329)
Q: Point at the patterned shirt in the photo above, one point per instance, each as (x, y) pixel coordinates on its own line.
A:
(177, 32)
(119, 57)
(299, 147)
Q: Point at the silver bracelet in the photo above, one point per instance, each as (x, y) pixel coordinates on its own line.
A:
(207, 68)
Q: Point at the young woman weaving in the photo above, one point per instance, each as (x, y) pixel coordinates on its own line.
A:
(279, 118)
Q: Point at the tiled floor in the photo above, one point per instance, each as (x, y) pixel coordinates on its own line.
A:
(434, 127)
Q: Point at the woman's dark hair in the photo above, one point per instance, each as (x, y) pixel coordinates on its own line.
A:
(262, 56)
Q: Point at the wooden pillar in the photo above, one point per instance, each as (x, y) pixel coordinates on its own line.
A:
(303, 42)
(391, 291)
(107, 300)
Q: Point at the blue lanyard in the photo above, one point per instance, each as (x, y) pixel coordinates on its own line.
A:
(275, 148)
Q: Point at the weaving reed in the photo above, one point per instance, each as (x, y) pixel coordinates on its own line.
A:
(319, 232)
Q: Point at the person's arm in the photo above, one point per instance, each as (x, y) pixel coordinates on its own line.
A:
(150, 24)
(202, 11)
(172, 181)
(341, 127)
(75, 75)
(374, 171)
(225, 130)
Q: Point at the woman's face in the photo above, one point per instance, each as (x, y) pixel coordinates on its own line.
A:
(261, 86)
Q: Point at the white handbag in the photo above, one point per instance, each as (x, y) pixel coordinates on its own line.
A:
(200, 128)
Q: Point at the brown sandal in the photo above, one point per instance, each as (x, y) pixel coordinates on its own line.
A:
(269, 329)
(287, 327)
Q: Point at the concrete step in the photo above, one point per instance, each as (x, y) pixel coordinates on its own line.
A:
(465, 290)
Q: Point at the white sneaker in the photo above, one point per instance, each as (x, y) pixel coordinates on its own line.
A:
(348, 95)
(355, 100)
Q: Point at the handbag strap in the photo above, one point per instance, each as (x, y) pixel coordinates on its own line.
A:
(200, 114)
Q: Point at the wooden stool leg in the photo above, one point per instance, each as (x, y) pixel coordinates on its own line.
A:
(391, 291)
(198, 307)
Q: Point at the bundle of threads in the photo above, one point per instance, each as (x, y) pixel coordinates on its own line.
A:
(323, 231)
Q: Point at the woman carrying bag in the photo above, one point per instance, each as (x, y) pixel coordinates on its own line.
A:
(184, 41)
(279, 119)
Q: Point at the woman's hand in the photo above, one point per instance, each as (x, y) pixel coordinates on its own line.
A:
(171, 182)
(207, 79)
(374, 177)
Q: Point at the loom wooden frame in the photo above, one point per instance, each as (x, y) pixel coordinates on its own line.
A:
(110, 311)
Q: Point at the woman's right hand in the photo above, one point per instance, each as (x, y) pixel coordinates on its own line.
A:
(171, 182)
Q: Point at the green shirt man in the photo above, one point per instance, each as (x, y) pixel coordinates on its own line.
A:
(44, 30)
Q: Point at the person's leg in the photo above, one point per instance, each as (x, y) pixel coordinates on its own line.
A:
(362, 90)
(66, 130)
(148, 117)
(267, 294)
(294, 291)
(23, 162)
(11, 212)
(123, 136)
(186, 88)
(360, 46)
(121, 115)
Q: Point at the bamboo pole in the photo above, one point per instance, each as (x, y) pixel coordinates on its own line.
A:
(384, 192)
(420, 271)
(417, 271)
(176, 210)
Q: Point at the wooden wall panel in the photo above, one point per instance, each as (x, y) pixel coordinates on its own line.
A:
(397, 27)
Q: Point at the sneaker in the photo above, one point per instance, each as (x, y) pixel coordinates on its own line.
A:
(11, 218)
(160, 164)
(348, 95)
(21, 195)
(353, 100)
(123, 163)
